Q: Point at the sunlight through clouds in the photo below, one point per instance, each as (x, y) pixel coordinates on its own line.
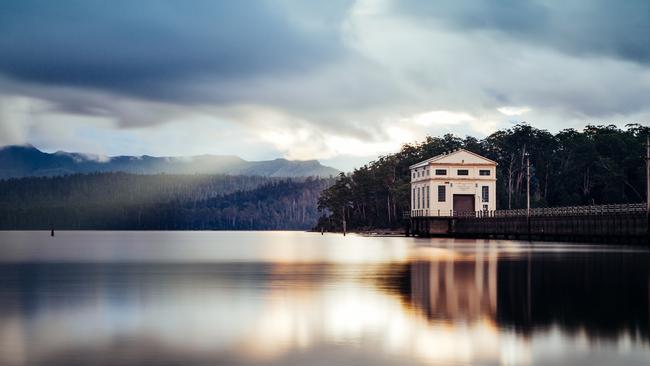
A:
(513, 111)
(442, 118)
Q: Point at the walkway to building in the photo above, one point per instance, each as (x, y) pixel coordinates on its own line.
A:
(623, 223)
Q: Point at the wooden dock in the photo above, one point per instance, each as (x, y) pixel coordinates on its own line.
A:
(621, 224)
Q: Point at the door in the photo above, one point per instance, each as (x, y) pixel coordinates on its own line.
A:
(463, 203)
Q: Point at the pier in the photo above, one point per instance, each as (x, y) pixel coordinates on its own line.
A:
(616, 224)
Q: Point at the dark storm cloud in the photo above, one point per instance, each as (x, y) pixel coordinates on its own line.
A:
(150, 48)
(612, 28)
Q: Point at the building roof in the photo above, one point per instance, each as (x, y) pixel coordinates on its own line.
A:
(456, 153)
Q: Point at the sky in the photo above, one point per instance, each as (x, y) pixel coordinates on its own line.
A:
(338, 81)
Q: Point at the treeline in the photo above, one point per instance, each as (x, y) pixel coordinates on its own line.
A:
(599, 165)
(122, 201)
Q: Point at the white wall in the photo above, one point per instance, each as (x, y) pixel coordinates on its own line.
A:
(423, 177)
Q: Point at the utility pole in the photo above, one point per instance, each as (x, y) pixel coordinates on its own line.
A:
(344, 223)
(528, 192)
(647, 197)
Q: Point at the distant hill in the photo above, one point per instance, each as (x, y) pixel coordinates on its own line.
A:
(124, 201)
(28, 161)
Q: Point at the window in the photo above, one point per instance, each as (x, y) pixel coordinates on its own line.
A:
(427, 172)
(427, 196)
(413, 175)
(423, 198)
(485, 193)
(463, 172)
(442, 193)
(483, 172)
(418, 197)
(413, 199)
(441, 171)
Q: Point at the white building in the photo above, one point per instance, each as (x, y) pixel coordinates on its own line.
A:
(458, 182)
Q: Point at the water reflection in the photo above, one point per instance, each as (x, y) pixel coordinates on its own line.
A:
(605, 295)
(455, 302)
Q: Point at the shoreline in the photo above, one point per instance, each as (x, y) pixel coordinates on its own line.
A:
(369, 232)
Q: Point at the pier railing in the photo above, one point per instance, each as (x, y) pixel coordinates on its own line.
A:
(575, 210)
(622, 223)
(591, 210)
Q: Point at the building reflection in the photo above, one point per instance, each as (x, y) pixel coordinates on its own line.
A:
(455, 290)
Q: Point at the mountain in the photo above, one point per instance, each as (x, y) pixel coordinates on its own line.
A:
(27, 161)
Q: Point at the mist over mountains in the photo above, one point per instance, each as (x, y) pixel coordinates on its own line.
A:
(28, 161)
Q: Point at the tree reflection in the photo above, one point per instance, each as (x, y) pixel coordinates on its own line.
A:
(604, 294)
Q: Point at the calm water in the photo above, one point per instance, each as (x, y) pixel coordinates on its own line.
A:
(286, 298)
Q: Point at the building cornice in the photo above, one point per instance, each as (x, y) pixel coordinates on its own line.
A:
(454, 179)
(432, 160)
(462, 164)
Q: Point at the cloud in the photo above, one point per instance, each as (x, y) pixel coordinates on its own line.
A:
(442, 117)
(14, 112)
(153, 49)
(475, 71)
(580, 27)
(312, 80)
(513, 110)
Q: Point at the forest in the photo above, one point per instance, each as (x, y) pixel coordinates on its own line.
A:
(122, 201)
(599, 165)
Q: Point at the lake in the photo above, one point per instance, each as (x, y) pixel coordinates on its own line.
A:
(293, 298)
